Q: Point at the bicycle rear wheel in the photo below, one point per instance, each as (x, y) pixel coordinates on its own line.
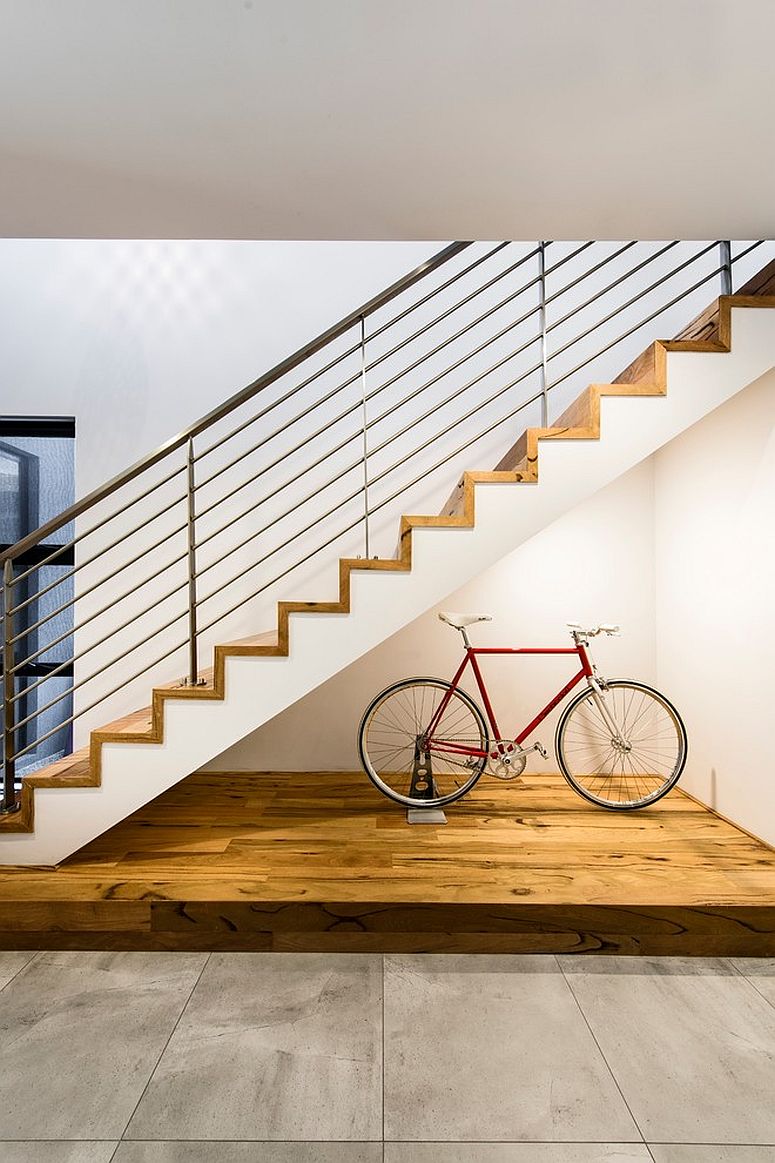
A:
(630, 771)
(388, 736)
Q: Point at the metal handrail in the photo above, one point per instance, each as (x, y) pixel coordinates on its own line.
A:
(357, 375)
(365, 448)
(247, 393)
(351, 351)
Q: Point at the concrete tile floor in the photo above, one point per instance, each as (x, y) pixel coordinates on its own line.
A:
(308, 1058)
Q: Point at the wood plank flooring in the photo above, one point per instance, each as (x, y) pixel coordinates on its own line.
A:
(321, 861)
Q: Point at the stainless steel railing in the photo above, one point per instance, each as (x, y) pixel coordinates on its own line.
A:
(450, 363)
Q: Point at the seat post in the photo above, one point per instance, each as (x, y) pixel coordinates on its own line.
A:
(465, 637)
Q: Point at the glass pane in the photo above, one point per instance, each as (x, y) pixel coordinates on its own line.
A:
(10, 495)
(37, 481)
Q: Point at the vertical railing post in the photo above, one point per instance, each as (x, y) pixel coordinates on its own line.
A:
(193, 647)
(9, 802)
(726, 267)
(365, 437)
(542, 317)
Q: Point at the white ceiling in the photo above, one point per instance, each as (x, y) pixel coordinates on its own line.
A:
(394, 119)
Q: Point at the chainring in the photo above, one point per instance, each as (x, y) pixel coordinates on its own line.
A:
(509, 766)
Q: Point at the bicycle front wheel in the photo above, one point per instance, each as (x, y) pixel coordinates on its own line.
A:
(633, 767)
(388, 737)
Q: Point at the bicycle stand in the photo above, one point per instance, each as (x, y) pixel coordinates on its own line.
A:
(423, 787)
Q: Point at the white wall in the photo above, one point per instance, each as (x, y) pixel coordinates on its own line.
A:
(151, 335)
(138, 339)
(594, 564)
(715, 601)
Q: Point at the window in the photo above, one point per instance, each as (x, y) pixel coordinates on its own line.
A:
(37, 482)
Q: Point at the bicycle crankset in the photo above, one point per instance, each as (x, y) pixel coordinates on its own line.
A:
(507, 764)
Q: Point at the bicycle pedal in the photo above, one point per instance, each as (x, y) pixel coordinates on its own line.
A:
(541, 750)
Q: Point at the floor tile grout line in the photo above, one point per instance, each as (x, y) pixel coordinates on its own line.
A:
(161, 1055)
(600, 1050)
(29, 961)
(410, 1142)
(752, 984)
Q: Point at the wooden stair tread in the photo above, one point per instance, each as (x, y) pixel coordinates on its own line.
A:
(645, 376)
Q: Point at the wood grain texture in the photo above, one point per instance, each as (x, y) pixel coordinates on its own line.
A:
(321, 861)
(647, 376)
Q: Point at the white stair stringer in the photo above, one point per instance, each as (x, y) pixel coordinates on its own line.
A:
(443, 559)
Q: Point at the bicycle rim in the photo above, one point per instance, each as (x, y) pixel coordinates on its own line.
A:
(631, 772)
(389, 731)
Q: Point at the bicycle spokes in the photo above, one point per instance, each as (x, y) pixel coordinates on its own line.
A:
(622, 747)
(404, 762)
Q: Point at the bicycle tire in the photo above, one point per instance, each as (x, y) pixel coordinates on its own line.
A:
(652, 751)
(368, 748)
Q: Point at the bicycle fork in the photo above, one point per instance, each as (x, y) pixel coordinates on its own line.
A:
(617, 736)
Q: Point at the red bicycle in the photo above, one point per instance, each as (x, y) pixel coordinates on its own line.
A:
(424, 742)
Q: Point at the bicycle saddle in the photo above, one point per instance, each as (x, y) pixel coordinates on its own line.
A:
(461, 620)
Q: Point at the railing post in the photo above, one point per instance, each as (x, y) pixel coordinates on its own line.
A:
(193, 678)
(542, 316)
(365, 436)
(9, 801)
(726, 267)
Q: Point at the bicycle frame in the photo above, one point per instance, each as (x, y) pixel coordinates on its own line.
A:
(472, 652)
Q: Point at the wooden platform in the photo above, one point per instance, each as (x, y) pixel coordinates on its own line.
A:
(323, 862)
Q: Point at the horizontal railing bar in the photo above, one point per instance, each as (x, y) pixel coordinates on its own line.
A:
(457, 393)
(199, 456)
(124, 565)
(369, 396)
(342, 444)
(510, 327)
(100, 524)
(338, 359)
(267, 585)
(96, 585)
(280, 517)
(60, 549)
(567, 258)
(463, 359)
(344, 501)
(637, 327)
(102, 698)
(590, 271)
(743, 253)
(419, 420)
(455, 423)
(241, 397)
(461, 448)
(440, 347)
(81, 654)
(96, 614)
(436, 291)
(96, 673)
(616, 283)
(280, 488)
(635, 299)
(356, 376)
(350, 468)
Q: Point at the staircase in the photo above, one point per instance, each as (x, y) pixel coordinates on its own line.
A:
(123, 614)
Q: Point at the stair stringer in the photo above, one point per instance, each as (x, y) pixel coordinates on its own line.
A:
(383, 597)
